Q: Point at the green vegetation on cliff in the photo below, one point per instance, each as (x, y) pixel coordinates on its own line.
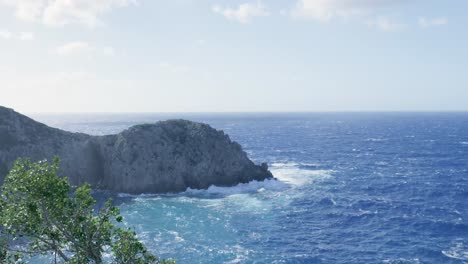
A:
(42, 214)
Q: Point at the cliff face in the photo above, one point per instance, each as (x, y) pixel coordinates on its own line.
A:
(167, 156)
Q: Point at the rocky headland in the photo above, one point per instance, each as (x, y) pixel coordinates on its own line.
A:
(167, 156)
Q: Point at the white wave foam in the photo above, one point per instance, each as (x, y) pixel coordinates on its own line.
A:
(458, 251)
(176, 235)
(464, 142)
(240, 254)
(286, 174)
(293, 164)
(376, 139)
(250, 187)
(297, 177)
(401, 260)
(242, 188)
(309, 164)
(381, 163)
(241, 202)
(143, 195)
(285, 164)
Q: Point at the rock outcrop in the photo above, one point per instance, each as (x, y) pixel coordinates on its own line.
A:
(168, 156)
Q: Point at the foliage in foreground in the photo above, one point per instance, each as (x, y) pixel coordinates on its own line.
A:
(40, 213)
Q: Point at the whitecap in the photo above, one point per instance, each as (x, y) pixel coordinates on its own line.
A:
(381, 163)
(143, 195)
(376, 139)
(297, 177)
(464, 142)
(309, 165)
(457, 251)
(250, 187)
(293, 164)
(284, 164)
(401, 261)
(177, 237)
(240, 254)
(287, 175)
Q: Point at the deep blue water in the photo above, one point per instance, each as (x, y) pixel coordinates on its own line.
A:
(352, 188)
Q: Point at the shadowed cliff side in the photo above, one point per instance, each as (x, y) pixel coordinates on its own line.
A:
(167, 156)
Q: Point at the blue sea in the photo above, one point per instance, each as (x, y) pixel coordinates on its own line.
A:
(351, 188)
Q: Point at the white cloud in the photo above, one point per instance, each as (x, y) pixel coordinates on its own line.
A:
(26, 36)
(244, 13)
(63, 12)
(108, 51)
(201, 42)
(326, 10)
(5, 34)
(174, 68)
(430, 22)
(81, 48)
(74, 48)
(363, 11)
(28, 10)
(386, 24)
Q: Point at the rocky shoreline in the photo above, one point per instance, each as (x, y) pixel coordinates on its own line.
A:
(167, 156)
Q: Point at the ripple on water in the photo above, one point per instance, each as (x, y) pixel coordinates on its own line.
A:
(352, 188)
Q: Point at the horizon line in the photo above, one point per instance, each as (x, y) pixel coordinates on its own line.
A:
(249, 112)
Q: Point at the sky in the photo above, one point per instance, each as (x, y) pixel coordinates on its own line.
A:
(233, 56)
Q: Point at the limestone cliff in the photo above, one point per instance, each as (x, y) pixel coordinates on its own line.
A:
(167, 156)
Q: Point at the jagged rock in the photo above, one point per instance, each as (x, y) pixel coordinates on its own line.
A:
(168, 156)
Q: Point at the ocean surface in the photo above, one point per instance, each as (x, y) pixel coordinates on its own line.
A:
(351, 188)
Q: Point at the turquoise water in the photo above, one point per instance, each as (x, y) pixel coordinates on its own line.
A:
(351, 188)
